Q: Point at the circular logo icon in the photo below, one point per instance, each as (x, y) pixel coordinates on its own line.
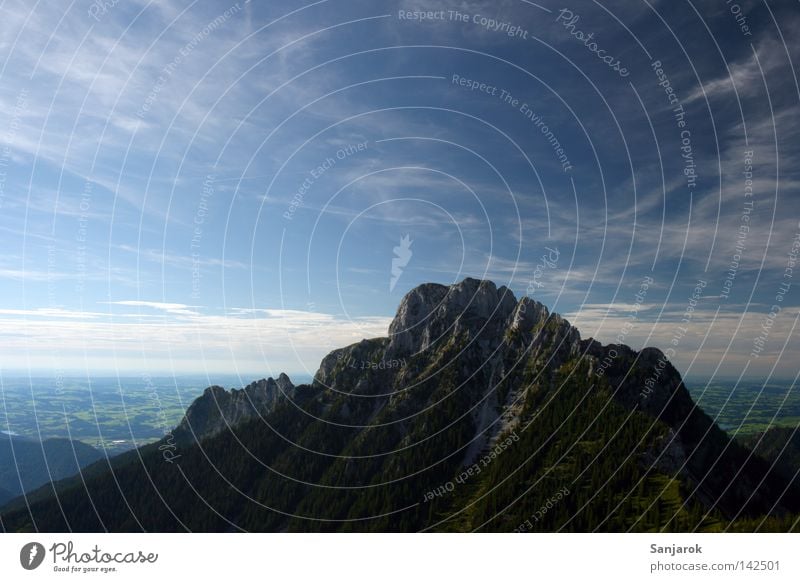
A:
(31, 555)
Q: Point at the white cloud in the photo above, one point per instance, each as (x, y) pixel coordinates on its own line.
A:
(171, 308)
(745, 76)
(183, 340)
(718, 343)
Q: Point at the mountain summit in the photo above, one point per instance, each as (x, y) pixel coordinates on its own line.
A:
(478, 411)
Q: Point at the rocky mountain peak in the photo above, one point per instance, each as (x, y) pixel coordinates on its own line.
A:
(284, 383)
(430, 312)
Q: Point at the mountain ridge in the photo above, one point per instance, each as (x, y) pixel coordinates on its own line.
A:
(465, 369)
(26, 464)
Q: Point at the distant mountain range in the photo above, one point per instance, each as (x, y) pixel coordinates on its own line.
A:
(478, 412)
(26, 464)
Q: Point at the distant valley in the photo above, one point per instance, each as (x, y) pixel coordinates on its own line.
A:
(110, 414)
(744, 409)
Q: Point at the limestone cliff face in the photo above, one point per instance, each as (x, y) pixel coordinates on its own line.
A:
(219, 409)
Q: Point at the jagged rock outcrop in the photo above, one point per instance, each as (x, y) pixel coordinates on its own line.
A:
(218, 409)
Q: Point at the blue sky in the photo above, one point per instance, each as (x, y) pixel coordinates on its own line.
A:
(196, 187)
